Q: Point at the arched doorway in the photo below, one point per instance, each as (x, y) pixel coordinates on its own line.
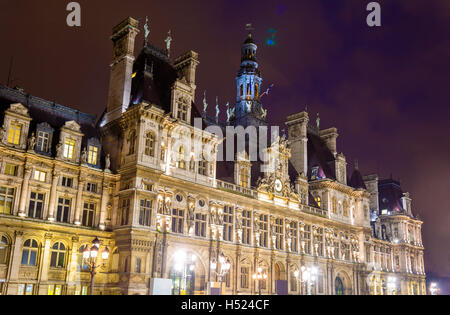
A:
(339, 286)
(187, 274)
(281, 284)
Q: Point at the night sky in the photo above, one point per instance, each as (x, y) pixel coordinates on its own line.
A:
(386, 89)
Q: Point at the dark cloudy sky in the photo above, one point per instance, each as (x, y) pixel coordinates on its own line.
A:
(385, 89)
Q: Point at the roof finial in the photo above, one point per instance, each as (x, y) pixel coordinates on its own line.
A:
(168, 42)
(249, 28)
(318, 121)
(147, 30)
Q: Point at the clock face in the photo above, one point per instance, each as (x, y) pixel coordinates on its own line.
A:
(278, 185)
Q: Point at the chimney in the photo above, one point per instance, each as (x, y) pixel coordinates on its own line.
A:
(123, 37)
(298, 141)
(330, 136)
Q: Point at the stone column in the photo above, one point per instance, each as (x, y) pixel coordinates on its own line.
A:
(52, 204)
(103, 206)
(73, 261)
(79, 202)
(16, 258)
(46, 258)
(24, 192)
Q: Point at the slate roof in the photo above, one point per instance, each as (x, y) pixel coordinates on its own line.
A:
(390, 194)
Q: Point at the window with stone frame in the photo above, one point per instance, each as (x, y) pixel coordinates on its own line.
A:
(228, 223)
(88, 214)
(182, 109)
(93, 155)
(177, 221)
(137, 267)
(58, 255)
(264, 230)
(36, 205)
(40, 176)
(200, 225)
(66, 182)
(15, 130)
(244, 175)
(6, 200)
(131, 142)
(307, 238)
(293, 226)
(11, 169)
(203, 167)
(25, 289)
(334, 205)
(69, 149)
(91, 187)
(145, 212)
(245, 273)
(181, 163)
(294, 281)
(279, 234)
(345, 208)
(63, 210)
(318, 201)
(246, 227)
(43, 140)
(319, 240)
(150, 141)
(4, 250)
(124, 212)
(30, 253)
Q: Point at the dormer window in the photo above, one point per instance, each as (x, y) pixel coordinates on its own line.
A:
(150, 144)
(15, 130)
(93, 155)
(182, 109)
(43, 141)
(244, 177)
(69, 149)
(181, 164)
(203, 167)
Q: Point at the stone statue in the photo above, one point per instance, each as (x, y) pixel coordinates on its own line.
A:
(256, 225)
(161, 206)
(220, 218)
(83, 156)
(59, 148)
(228, 115)
(205, 104)
(147, 30)
(318, 121)
(191, 215)
(168, 42)
(217, 108)
(239, 221)
(168, 206)
(213, 217)
(31, 142)
(107, 162)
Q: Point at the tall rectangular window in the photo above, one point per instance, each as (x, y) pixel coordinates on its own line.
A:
(14, 133)
(200, 225)
(69, 149)
(36, 205)
(125, 212)
(244, 177)
(42, 141)
(91, 187)
(319, 241)
(307, 238)
(88, 214)
(145, 212)
(177, 221)
(294, 236)
(182, 110)
(63, 211)
(67, 182)
(203, 167)
(246, 227)
(11, 169)
(244, 277)
(279, 233)
(40, 176)
(228, 223)
(93, 155)
(264, 230)
(25, 289)
(6, 199)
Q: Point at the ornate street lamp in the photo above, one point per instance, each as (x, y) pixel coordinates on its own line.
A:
(185, 265)
(224, 268)
(90, 255)
(392, 284)
(307, 277)
(260, 276)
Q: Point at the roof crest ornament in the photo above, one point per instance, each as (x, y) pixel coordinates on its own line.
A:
(147, 31)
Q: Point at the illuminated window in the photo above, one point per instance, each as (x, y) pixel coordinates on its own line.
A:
(93, 155)
(54, 289)
(6, 199)
(181, 162)
(278, 226)
(249, 89)
(256, 90)
(345, 208)
(36, 205)
(40, 176)
(307, 238)
(25, 289)
(58, 255)
(244, 177)
(318, 201)
(150, 144)
(29, 253)
(69, 149)
(203, 167)
(42, 141)
(14, 133)
(88, 214)
(11, 169)
(334, 205)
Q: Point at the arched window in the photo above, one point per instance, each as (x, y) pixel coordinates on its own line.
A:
(203, 167)
(150, 144)
(339, 286)
(4, 250)
(181, 162)
(345, 208)
(29, 253)
(244, 177)
(334, 206)
(58, 255)
(131, 142)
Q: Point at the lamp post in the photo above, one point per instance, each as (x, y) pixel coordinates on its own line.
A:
(90, 255)
(260, 276)
(223, 269)
(307, 277)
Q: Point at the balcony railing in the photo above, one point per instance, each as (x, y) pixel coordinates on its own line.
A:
(238, 189)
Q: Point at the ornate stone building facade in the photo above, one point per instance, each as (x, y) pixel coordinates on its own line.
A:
(167, 212)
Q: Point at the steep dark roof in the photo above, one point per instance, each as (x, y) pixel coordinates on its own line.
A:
(320, 155)
(356, 181)
(390, 195)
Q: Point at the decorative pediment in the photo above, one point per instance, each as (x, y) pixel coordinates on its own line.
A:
(72, 125)
(19, 109)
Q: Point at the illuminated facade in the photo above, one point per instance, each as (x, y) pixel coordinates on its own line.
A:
(171, 217)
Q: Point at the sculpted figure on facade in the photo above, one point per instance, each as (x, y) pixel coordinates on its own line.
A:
(31, 142)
